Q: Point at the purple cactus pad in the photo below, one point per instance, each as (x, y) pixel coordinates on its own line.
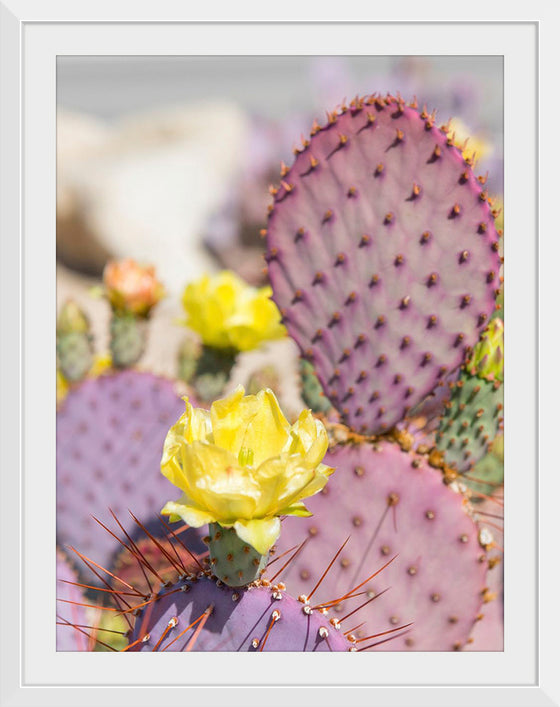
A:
(392, 504)
(249, 619)
(110, 435)
(383, 258)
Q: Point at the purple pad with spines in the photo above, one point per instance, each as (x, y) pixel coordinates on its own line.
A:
(439, 573)
(239, 621)
(110, 435)
(382, 288)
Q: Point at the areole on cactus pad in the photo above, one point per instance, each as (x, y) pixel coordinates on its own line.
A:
(383, 257)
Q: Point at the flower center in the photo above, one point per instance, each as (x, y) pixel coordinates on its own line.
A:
(246, 456)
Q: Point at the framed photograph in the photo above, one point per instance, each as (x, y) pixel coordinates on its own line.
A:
(151, 138)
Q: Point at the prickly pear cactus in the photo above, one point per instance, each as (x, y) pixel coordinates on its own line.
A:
(213, 369)
(110, 434)
(488, 634)
(132, 563)
(383, 257)
(487, 475)
(128, 336)
(187, 357)
(132, 291)
(234, 562)
(203, 614)
(74, 342)
(230, 317)
(473, 415)
(392, 504)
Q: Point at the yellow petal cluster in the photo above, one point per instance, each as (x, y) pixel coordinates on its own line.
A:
(242, 465)
(228, 313)
(487, 358)
(131, 287)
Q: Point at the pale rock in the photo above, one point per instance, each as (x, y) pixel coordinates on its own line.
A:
(146, 188)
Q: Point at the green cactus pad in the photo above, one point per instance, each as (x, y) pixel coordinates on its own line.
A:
(233, 561)
(311, 390)
(213, 369)
(128, 339)
(74, 351)
(472, 419)
(486, 476)
(74, 342)
(187, 358)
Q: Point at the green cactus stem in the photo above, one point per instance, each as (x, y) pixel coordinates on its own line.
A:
(206, 369)
(74, 342)
(233, 561)
(128, 336)
(473, 415)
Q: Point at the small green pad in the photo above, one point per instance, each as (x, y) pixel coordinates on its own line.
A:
(233, 561)
(128, 339)
(75, 354)
(487, 475)
(213, 369)
(472, 419)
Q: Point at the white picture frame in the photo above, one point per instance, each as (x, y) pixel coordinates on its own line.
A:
(526, 673)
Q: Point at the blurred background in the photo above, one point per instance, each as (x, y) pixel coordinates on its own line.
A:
(168, 159)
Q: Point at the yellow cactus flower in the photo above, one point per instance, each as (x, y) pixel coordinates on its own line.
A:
(487, 358)
(228, 313)
(242, 465)
(473, 147)
(131, 287)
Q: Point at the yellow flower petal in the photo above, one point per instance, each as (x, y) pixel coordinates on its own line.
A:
(309, 438)
(194, 424)
(256, 319)
(261, 533)
(62, 386)
(189, 514)
(254, 422)
(216, 482)
(228, 313)
(280, 479)
(296, 509)
(243, 465)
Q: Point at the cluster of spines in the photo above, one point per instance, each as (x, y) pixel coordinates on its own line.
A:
(135, 604)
